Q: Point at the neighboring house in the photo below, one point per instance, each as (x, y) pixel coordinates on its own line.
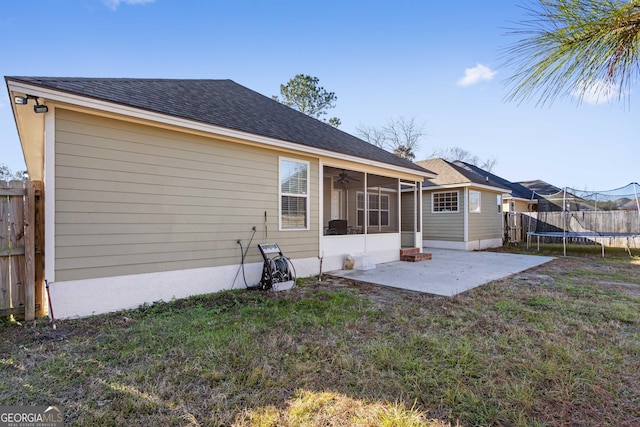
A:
(520, 198)
(542, 188)
(633, 205)
(461, 208)
(153, 185)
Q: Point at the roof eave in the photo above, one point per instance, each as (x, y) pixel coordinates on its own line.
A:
(468, 185)
(30, 128)
(93, 103)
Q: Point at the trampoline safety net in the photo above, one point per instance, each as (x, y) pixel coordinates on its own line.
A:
(589, 216)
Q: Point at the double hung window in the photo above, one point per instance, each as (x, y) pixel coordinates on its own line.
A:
(294, 194)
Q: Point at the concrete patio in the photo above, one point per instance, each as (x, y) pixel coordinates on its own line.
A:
(448, 273)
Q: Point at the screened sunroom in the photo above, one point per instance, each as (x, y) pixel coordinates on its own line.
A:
(359, 203)
(361, 213)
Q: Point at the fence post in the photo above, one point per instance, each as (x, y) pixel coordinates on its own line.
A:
(29, 253)
(40, 302)
(5, 293)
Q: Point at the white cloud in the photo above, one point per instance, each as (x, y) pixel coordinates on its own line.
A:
(596, 92)
(476, 75)
(113, 4)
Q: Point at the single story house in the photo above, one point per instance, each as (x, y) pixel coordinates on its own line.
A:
(538, 188)
(154, 187)
(519, 199)
(461, 208)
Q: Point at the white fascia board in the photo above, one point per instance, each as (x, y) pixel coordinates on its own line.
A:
(490, 188)
(522, 199)
(443, 187)
(114, 108)
(466, 185)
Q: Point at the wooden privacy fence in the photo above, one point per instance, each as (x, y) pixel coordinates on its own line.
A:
(22, 249)
(625, 223)
(513, 227)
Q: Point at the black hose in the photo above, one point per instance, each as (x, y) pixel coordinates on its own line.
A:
(243, 255)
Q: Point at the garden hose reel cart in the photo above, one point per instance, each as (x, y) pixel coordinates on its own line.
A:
(277, 270)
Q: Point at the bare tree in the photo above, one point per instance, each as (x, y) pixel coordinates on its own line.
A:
(372, 135)
(401, 136)
(452, 154)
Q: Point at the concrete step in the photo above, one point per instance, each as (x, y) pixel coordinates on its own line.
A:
(415, 257)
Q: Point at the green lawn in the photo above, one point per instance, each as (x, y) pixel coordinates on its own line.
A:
(557, 345)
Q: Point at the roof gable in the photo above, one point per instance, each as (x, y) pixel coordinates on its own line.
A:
(222, 103)
(453, 173)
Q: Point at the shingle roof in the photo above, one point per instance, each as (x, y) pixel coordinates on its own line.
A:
(454, 173)
(222, 103)
(631, 204)
(517, 189)
(540, 187)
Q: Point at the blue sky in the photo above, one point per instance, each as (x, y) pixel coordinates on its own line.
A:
(437, 62)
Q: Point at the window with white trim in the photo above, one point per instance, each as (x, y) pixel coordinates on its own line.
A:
(378, 209)
(474, 201)
(445, 202)
(294, 194)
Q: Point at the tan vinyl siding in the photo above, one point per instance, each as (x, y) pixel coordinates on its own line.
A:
(447, 226)
(139, 199)
(519, 205)
(487, 224)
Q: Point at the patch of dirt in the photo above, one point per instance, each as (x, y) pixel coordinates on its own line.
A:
(379, 294)
(530, 276)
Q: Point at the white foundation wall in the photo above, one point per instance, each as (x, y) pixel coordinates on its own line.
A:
(382, 247)
(82, 298)
(478, 245)
(474, 245)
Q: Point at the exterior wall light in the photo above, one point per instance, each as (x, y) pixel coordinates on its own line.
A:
(23, 100)
(38, 108)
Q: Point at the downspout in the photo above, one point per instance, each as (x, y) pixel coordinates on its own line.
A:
(321, 211)
(399, 207)
(418, 213)
(465, 216)
(399, 222)
(49, 194)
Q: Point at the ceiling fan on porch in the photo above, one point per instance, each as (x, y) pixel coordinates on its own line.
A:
(344, 178)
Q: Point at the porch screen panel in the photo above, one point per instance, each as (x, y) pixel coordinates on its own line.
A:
(382, 204)
(343, 200)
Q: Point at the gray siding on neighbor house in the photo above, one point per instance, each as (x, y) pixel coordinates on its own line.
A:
(135, 199)
(447, 226)
(488, 223)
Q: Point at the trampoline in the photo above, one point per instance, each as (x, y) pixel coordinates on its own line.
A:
(596, 217)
